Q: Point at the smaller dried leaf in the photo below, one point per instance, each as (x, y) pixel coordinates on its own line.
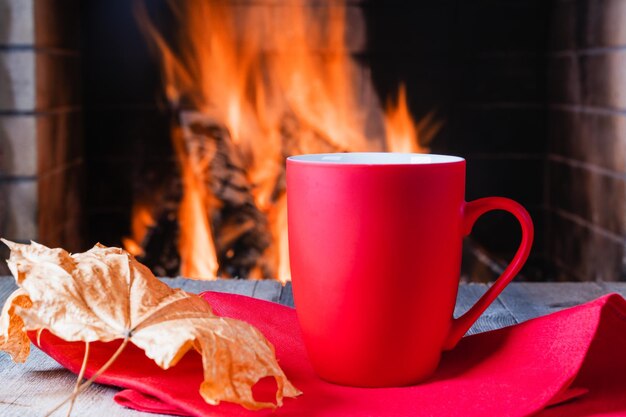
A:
(13, 338)
(104, 294)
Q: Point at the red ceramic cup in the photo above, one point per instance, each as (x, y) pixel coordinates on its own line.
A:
(375, 250)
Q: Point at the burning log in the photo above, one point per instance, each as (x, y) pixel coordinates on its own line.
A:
(239, 228)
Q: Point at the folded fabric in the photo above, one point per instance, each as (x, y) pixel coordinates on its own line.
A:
(571, 362)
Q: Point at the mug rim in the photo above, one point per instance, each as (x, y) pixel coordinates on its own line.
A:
(375, 158)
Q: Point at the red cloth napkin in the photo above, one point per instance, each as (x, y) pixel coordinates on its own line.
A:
(569, 363)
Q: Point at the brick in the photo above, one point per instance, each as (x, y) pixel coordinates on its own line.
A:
(587, 24)
(17, 80)
(37, 144)
(18, 209)
(57, 23)
(564, 80)
(597, 80)
(606, 80)
(18, 146)
(44, 23)
(595, 197)
(16, 22)
(599, 139)
(60, 140)
(60, 200)
(32, 80)
(57, 80)
(582, 253)
(603, 23)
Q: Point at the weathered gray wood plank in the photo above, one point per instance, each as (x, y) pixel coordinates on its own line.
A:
(34, 388)
(233, 286)
(286, 295)
(530, 300)
(618, 287)
(496, 315)
(7, 286)
(268, 290)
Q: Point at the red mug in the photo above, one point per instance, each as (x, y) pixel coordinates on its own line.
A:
(375, 251)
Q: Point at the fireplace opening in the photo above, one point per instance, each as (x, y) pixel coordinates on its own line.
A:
(249, 85)
(161, 126)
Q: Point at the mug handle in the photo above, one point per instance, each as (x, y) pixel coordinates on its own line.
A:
(471, 212)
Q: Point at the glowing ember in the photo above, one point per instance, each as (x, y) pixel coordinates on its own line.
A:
(285, 85)
(141, 221)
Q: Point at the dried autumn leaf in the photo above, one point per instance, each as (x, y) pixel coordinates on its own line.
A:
(105, 294)
(13, 339)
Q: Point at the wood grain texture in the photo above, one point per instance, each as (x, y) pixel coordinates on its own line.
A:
(527, 301)
(37, 386)
(286, 296)
(496, 316)
(233, 286)
(33, 388)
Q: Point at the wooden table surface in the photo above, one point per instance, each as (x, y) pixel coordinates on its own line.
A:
(33, 388)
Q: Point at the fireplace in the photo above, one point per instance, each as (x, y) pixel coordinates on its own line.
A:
(531, 93)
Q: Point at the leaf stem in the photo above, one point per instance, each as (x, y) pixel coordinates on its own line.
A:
(95, 376)
(79, 379)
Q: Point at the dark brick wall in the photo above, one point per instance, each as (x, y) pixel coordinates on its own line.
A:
(586, 169)
(41, 142)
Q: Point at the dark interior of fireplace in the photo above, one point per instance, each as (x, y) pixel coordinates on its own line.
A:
(531, 93)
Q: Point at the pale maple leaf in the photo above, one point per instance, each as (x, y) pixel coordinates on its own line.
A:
(13, 338)
(105, 294)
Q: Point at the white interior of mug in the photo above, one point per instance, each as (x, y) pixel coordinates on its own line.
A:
(376, 158)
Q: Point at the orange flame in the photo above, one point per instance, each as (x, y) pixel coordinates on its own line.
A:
(196, 248)
(280, 78)
(141, 221)
(400, 129)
